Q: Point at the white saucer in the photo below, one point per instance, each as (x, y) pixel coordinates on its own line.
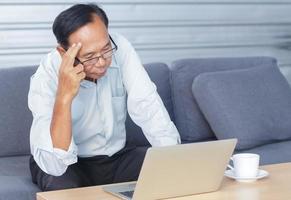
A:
(261, 174)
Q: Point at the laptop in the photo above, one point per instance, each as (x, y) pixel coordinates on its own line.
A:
(179, 170)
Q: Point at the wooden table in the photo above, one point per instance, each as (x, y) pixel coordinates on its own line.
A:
(276, 186)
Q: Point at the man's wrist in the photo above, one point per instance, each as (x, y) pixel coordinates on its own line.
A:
(64, 100)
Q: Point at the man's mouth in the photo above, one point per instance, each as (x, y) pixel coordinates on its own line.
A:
(101, 71)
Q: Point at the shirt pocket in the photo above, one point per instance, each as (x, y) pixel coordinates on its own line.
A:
(119, 108)
(117, 87)
(119, 115)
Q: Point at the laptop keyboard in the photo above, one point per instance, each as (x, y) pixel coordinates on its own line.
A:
(127, 193)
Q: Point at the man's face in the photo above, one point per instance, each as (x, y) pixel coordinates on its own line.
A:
(95, 42)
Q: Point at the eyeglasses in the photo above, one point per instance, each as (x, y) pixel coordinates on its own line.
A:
(93, 61)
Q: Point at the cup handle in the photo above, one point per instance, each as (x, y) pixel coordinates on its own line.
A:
(229, 166)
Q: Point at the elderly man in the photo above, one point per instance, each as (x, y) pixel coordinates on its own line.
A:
(79, 98)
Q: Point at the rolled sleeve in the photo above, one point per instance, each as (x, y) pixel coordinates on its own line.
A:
(67, 157)
(56, 162)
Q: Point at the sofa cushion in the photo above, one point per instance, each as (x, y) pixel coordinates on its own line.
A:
(159, 74)
(15, 118)
(17, 187)
(13, 188)
(279, 152)
(252, 105)
(15, 179)
(14, 166)
(189, 120)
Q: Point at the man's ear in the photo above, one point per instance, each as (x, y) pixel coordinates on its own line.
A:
(61, 50)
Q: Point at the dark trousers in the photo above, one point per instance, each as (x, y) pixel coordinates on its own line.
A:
(123, 166)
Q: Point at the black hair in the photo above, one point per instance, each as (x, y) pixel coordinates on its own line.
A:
(74, 18)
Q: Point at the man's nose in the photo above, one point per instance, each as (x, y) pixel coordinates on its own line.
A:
(101, 62)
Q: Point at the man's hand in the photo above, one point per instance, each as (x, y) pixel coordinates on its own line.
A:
(70, 76)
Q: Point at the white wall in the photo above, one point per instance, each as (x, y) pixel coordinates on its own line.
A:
(160, 30)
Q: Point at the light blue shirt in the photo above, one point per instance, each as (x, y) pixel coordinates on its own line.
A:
(98, 110)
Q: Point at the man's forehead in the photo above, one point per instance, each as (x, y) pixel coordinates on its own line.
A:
(93, 32)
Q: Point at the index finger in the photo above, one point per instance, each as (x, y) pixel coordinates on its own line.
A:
(73, 51)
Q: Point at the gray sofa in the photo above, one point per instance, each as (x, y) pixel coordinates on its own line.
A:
(175, 86)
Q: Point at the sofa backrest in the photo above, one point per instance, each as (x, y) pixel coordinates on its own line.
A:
(15, 118)
(173, 86)
(159, 74)
(189, 119)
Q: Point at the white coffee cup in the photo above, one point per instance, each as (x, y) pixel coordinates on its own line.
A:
(245, 165)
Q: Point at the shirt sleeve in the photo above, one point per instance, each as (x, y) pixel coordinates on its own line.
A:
(41, 97)
(144, 103)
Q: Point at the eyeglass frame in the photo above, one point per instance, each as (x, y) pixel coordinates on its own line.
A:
(77, 61)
